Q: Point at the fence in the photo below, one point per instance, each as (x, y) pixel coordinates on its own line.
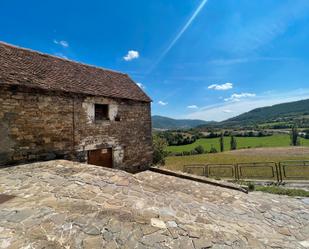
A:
(294, 170)
(270, 171)
(227, 171)
(196, 169)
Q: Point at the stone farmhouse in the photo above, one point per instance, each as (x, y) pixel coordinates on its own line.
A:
(55, 108)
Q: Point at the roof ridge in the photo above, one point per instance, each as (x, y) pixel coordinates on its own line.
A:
(60, 58)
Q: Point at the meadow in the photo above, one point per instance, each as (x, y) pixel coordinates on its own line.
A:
(178, 162)
(274, 148)
(242, 143)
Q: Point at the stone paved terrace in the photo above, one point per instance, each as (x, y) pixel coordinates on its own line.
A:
(60, 204)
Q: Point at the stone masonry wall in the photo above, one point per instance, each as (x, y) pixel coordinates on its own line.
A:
(37, 125)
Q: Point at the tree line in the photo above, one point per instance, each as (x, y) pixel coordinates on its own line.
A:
(160, 144)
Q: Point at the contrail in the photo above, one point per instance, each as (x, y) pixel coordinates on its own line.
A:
(178, 36)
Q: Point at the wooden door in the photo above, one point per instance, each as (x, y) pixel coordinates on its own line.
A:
(101, 157)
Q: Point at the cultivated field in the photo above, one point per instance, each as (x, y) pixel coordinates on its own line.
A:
(242, 142)
(240, 156)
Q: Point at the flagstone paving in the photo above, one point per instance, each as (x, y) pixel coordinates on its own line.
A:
(60, 204)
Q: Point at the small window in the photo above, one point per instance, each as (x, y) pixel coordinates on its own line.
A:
(117, 118)
(101, 112)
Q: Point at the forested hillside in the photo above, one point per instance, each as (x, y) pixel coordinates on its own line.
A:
(276, 116)
(160, 122)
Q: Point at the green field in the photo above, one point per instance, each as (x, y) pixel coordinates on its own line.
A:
(264, 171)
(274, 148)
(178, 162)
(242, 142)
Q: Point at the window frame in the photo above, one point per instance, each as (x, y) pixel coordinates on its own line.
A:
(104, 116)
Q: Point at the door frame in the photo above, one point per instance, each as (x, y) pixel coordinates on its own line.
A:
(102, 148)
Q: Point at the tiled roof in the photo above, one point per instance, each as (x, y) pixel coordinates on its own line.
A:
(24, 67)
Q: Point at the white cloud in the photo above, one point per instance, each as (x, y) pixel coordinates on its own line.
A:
(192, 107)
(62, 43)
(162, 103)
(237, 96)
(140, 85)
(227, 111)
(131, 55)
(222, 87)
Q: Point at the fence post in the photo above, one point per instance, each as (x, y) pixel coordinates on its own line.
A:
(280, 172)
(236, 172)
(277, 173)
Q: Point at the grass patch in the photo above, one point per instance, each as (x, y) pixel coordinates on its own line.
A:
(221, 165)
(242, 142)
(282, 191)
(177, 162)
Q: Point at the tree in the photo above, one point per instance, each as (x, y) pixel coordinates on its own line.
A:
(233, 143)
(159, 150)
(294, 136)
(213, 149)
(222, 142)
(199, 149)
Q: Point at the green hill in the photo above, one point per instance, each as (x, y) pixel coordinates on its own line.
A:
(160, 122)
(276, 116)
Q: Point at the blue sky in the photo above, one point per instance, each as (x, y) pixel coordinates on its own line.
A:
(195, 58)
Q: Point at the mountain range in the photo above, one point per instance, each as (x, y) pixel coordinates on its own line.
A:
(284, 114)
(160, 122)
(280, 114)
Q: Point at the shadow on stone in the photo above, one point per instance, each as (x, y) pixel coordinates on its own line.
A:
(5, 198)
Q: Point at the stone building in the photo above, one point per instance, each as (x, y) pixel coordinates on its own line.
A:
(55, 108)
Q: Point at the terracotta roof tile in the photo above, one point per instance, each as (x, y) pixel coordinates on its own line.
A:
(20, 66)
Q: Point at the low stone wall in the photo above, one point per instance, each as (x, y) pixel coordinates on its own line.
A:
(38, 125)
(201, 179)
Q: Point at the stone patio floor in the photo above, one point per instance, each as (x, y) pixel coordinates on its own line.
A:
(61, 204)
